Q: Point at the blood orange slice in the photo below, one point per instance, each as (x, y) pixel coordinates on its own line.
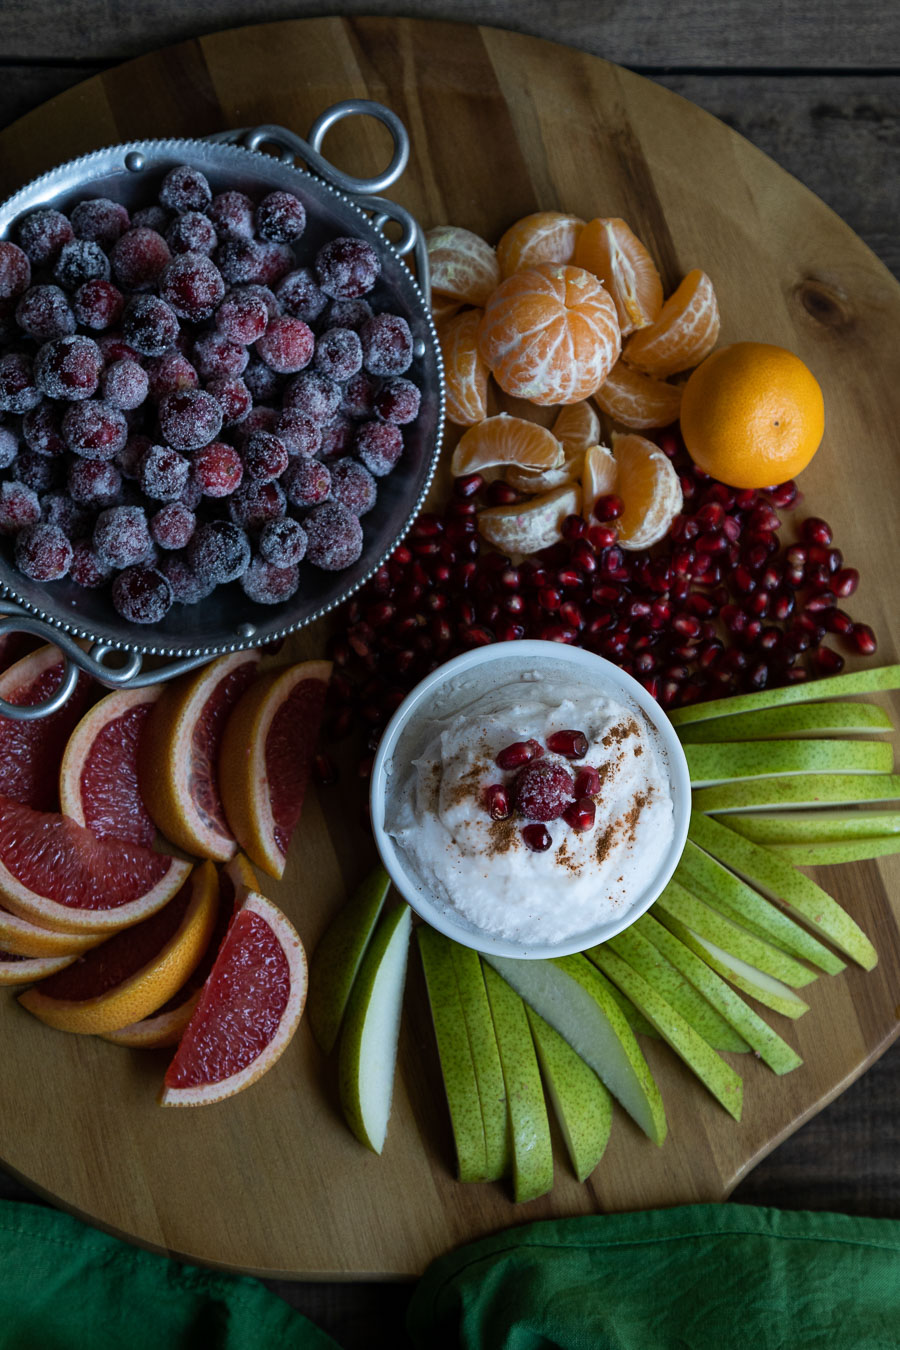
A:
(165, 1026)
(267, 753)
(249, 1009)
(133, 972)
(98, 779)
(178, 754)
(15, 969)
(58, 875)
(30, 751)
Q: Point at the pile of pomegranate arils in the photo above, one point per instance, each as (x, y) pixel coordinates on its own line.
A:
(184, 405)
(721, 606)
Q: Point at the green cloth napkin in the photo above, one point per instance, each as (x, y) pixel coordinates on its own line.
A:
(64, 1286)
(705, 1276)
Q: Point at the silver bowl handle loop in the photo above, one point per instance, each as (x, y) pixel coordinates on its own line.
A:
(19, 621)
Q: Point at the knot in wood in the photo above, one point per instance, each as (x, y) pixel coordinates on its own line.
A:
(824, 303)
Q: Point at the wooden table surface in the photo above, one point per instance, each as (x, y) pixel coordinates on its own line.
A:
(814, 83)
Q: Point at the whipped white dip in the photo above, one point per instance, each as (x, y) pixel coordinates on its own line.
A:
(481, 868)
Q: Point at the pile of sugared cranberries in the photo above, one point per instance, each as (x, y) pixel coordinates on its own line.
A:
(190, 397)
(721, 606)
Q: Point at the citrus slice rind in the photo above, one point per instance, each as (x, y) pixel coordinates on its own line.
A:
(638, 401)
(98, 785)
(184, 936)
(26, 969)
(526, 527)
(505, 440)
(20, 937)
(650, 490)
(599, 472)
(220, 1008)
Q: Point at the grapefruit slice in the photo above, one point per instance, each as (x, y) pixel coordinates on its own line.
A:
(135, 971)
(177, 756)
(15, 969)
(249, 1009)
(98, 780)
(23, 938)
(31, 751)
(166, 1025)
(267, 753)
(58, 875)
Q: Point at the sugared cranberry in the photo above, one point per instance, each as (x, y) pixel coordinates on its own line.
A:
(315, 395)
(187, 588)
(80, 261)
(125, 384)
(190, 419)
(193, 286)
(87, 568)
(287, 345)
(20, 384)
(95, 481)
(192, 233)
(283, 542)
(280, 217)
(338, 354)
(185, 189)
(173, 525)
(232, 215)
(43, 552)
(300, 434)
(100, 220)
(238, 260)
(94, 429)
(334, 536)
(537, 838)
(306, 482)
(42, 235)
(265, 456)
(300, 296)
(163, 473)
(269, 585)
(253, 505)
(142, 595)
(219, 551)
(121, 536)
(149, 325)
(217, 468)
(19, 506)
(170, 374)
(379, 445)
(68, 367)
(346, 268)
(353, 486)
(351, 313)
(242, 317)
(387, 345)
(233, 396)
(44, 313)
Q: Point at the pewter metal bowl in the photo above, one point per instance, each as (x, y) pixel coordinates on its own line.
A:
(228, 620)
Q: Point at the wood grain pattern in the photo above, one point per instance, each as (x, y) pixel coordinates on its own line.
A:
(501, 125)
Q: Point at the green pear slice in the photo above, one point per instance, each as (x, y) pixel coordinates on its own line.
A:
(732, 937)
(532, 1149)
(570, 994)
(772, 993)
(582, 1105)
(814, 827)
(837, 851)
(809, 790)
(338, 956)
(367, 1055)
(775, 877)
(714, 1073)
(455, 1054)
(485, 1057)
(701, 875)
(805, 719)
(835, 686)
(672, 985)
(728, 761)
(633, 1016)
(770, 1047)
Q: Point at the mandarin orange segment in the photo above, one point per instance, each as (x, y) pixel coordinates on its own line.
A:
(465, 373)
(545, 237)
(527, 480)
(550, 334)
(599, 472)
(504, 440)
(609, 249)
(529, 526)
(576, 427)
(684, 333)
(650, 491)
(463, 265)
(443, 307)
(638, 401)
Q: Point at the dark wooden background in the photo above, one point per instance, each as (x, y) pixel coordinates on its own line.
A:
(815, 84)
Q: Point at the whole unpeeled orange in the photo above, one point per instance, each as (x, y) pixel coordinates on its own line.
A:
(752, 415)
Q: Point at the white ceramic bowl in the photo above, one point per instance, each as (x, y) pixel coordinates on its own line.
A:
(487, 665)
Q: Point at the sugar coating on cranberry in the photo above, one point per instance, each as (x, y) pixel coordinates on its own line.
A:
(42, 234)
(299, 295)
(299, 433)
(398, 401)
(142, 595)
(348, 313)
(170, 374)
(334, 537)
(19, 506)
(316, 395)
(163, 473)
(217, 468)
(216, 356)
(149, 325)
(193, 494)
(87, 568)
(185, 189)
(36, 471)
(337, 437)
(379, 445)
(192, 233)
(19, 386)
(113, 347)
(125, 384)
(275, 261)
(243, 316)
(43, 552)
(267, 584)
(543, 790)
(9, 446)
(353, 486)
(387, 344)
(306, 482)
(287, 345)
(263, 293)
(253, 505)
(232, 215)
(44, 313)
(281, 217)
(219, 551)
(346, 268)
(128, 460)
(94, 429)
(98, 304)
(258, 419)
(283, 542)
(15, 270)
(139, 258)
(79, 261)
(358, 398)
(100, 220)
(190, 418)
(121, 536)
(193, 286)
(238, 260)
(187, 588)
(263, 382)
(338, 353)
(94, 481)
(173, 525)
(153, 217)
(233, 396)
(68, 367)
(265, 457)
(73, 518)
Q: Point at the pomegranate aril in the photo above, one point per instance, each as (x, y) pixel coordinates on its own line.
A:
(570, 744)
(497, 802)
(581, 814)
(763, 519)
(587, 782)
(608, 507)
(571, 615)
(757, 677)
(501, 494)
(710, 517)
(783, 605)
(601, 536)
(518, 753)
(758, 603)
(784, 495)
(862, 639)
(686, 625)
(549, 599)
(845, 582)
(573, 527)
(537, 838)
(814, 530)
(818, 604)
(469, 485)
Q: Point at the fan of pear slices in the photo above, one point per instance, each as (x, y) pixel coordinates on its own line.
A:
(782, 778)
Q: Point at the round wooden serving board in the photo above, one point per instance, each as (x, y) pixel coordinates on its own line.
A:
(501, 125)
